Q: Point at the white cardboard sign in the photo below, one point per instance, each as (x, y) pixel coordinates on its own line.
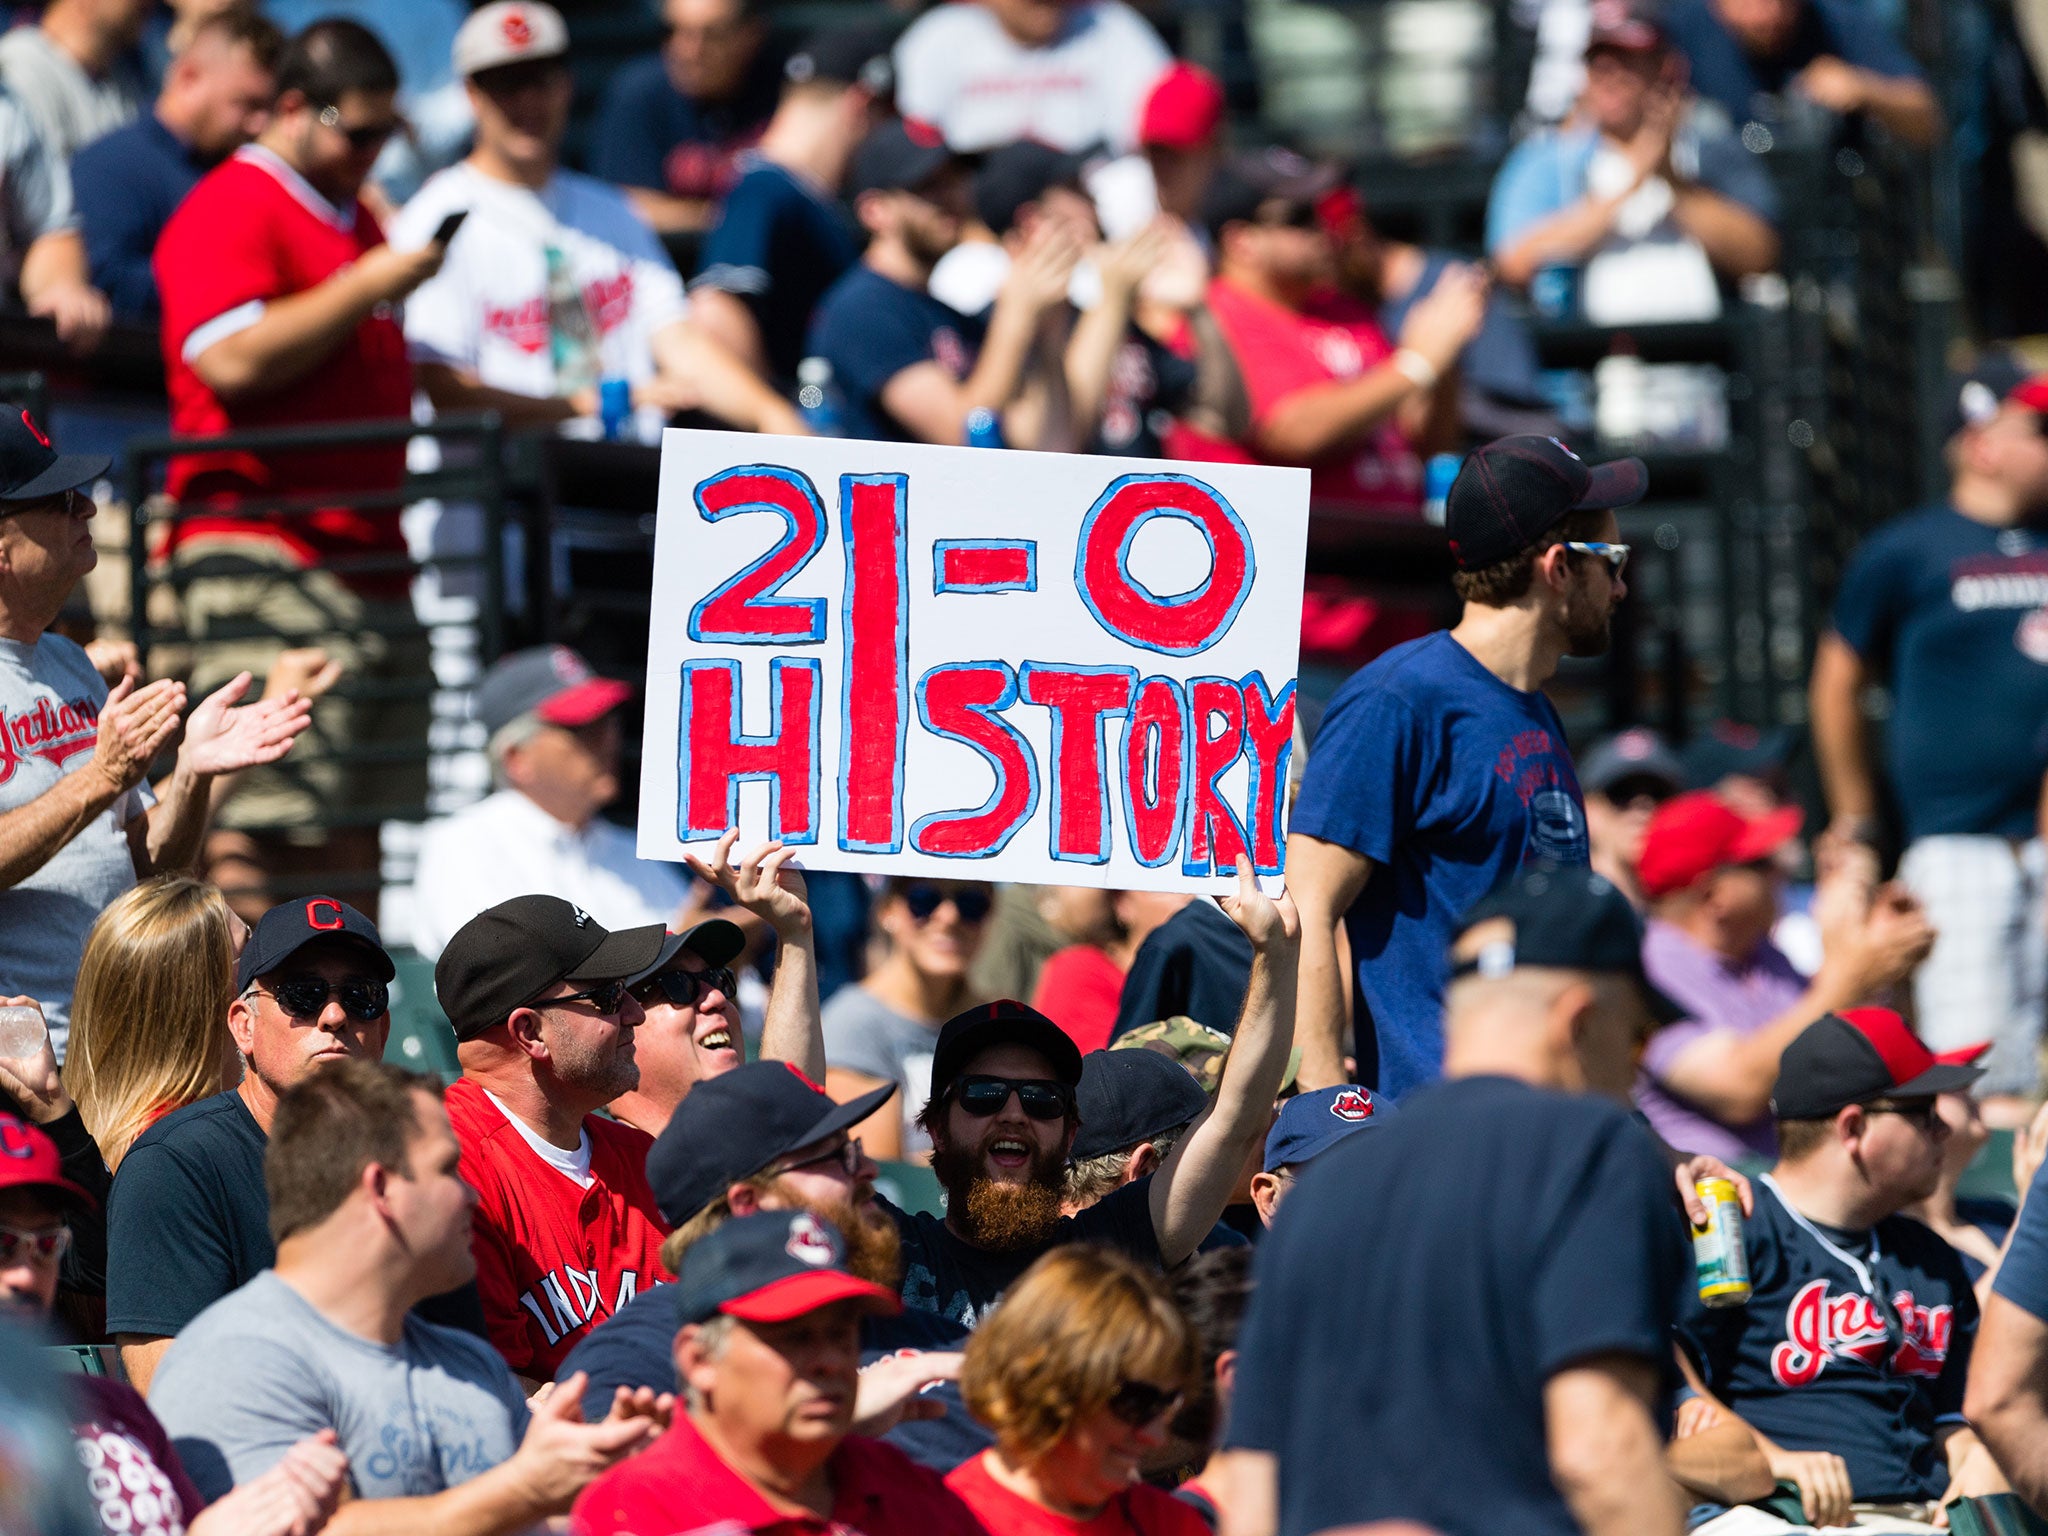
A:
(967, 663)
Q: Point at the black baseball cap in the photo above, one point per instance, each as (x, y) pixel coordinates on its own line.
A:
(291, 925)
(31, 468)
(1516, 489)
(966, 1035)
(770, 1267)
(1021, 173)
(1636, 753)
(734, 1125)
(1730, 749)
(1125, 1097)
(714, 941)
(507, 955)
(1995, 376)
(1564, 916)
(1244, 184)
(844, 55)
(900, 155)
(1862, 1054)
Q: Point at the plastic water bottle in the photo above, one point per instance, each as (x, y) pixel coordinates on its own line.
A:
(614, 407)
(22, 1032)
(818, 398)
(984, 428)
(1437, 476)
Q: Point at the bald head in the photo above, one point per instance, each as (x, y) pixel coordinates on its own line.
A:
(1576, 1031)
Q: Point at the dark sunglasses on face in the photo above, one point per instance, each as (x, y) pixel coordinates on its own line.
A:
(44, 1246)
(1039, 1099)
(1138, 1403)
(605, 997)
(362, 137)
(923, 900)
(1916, 1112)
(305, 997)
(847, 1157)
(683, 988)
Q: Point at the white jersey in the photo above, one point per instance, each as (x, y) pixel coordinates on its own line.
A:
(957, 69)
(543, 293)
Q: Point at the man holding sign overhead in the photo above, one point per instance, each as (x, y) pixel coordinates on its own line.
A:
(1440, 766)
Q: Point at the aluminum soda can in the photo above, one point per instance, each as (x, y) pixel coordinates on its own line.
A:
(1717, 1252)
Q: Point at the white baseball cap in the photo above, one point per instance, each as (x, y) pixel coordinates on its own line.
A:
(509, 32)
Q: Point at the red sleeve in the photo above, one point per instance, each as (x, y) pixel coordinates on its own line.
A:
(218, 252)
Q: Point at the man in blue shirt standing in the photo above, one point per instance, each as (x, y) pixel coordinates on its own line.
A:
(1440, 767)
(127, 184)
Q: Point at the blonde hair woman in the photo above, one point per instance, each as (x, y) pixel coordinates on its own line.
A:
(1078, 1371)
(149, 1018)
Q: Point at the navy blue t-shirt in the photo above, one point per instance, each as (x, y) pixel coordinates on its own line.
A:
(1198, 963)
(127, 185)
(2023, 1277)
(1856, 1343)
(649, 134)
(870, 329)
(1448, 780)
(1421, 1286)
(778, 246)
(1955, 614)
(1722, 72)
(635, 1347)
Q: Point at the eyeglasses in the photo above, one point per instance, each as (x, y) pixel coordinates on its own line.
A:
(683, 988)
(362, 137)
(1616, 555)
(1918, 1112)
(1039, 1098)
(923, 900)
(1138, 1403)
(847, 1156)
(362, 998)
(72, 503)
(46, 1245)
(606, 997)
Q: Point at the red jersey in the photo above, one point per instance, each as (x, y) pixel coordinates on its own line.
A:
(1140, 1510)
(553, 1260)
(680, 1485)
(254, 231)
(1281, 352)
(1079, 988)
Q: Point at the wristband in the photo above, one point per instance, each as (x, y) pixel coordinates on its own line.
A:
(1415, 368)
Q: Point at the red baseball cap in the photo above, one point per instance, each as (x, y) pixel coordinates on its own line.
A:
(1858, 1055)
(1184, 110)
(1692, 835)
(2030, 392)
(30, 1160)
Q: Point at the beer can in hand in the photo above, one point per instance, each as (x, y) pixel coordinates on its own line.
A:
(1717, 1252)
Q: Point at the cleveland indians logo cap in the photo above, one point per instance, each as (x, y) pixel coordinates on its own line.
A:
(1311, 1123)
(770, 1267)
(291, 925)
(31, 468)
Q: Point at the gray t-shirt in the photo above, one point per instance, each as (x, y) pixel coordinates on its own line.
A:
(71, 107)
(864, 1034)
(50, 700)
(261, 1369)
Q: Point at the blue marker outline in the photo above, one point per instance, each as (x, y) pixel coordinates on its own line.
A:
(777, 668)
(1025, 674)
(766, 598)
(1187, 774)
(993, 714)
(941, 586)
(1196, 736)
(1115, 488)
(1274, 795)
(901, 483)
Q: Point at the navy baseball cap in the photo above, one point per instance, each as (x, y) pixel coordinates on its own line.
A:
(1730, 749)
(31, 468)
(551, 681)
(734, 1125)
(1568, 917)
(1638, 753)
(507, 955)
(1022, 173)
(770, 1267)
(843, 55)
(291, 925)
(1125, 1097)
(900, 155)
(1314, 1122)
(1862, 1054)
(1516, 489)
(966, 1035)
(714, 941)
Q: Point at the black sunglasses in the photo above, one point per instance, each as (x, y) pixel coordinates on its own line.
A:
(1138, 1403)
(1920, 1112)
(605, 997)
(683, 988)
(923, 900)
(1040, 1099)
(363, 136)
(305, 997)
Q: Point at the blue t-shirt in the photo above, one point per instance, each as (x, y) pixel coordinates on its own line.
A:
(649, 134)
(1956, 615)
(1448, 780)
(870, 329)
(1856, 1343)
(1424, 1282)
(635, 1347)
(778, 246)
(1723, 73)
(127, 185)
(2023, 1277)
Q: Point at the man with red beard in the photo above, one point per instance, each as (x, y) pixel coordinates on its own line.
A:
(763, 1137)
(1002, 1119)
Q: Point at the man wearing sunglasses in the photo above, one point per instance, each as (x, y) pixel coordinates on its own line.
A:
(567, 1230)
(1856, 1341)
(1440, 767)
(189, 1217)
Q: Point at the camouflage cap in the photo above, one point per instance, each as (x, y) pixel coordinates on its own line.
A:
(1195, 1046)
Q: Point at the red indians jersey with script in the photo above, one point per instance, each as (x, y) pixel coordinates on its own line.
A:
(1856, 1343)
(553, 1260)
